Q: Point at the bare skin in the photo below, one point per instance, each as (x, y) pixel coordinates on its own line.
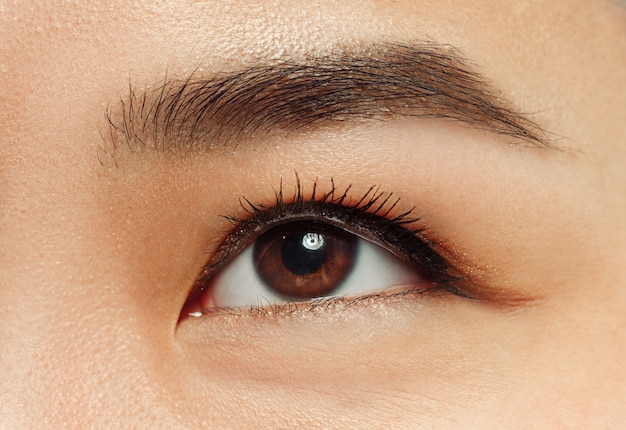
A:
(104, 236)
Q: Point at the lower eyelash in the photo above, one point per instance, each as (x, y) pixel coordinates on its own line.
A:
(290, 309)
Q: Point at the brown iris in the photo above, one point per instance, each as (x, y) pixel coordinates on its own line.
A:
(304, 260)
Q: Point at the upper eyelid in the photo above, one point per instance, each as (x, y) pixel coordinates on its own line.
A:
(262, 214)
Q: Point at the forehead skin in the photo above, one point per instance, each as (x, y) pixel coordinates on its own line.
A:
(90, 341)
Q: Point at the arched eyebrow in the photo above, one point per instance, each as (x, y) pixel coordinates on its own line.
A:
(426, 80)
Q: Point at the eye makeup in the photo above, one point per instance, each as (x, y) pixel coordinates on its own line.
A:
(372, 216)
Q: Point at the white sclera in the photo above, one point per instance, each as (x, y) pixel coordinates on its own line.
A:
(375, 270)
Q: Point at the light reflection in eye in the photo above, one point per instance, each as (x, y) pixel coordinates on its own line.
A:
(307, 260)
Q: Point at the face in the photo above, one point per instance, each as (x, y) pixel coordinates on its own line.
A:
(356, 214)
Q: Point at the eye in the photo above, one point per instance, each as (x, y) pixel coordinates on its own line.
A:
(307, 260)
(320, 247)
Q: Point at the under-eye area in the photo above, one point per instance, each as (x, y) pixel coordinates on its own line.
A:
(314, 248)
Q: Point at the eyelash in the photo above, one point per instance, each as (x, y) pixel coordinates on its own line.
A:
(371, 217)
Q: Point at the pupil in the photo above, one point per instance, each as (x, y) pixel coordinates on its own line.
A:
(303, 253)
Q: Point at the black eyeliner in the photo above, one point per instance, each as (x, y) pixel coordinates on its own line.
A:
(370, 217)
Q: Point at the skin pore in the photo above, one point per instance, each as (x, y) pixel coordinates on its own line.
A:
(120, 183)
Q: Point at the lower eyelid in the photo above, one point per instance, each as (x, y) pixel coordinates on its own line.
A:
(326, 305)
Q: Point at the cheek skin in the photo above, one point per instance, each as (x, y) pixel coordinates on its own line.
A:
(329, 365)
(335, 370)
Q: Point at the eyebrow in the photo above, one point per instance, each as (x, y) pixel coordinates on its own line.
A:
(379, 82)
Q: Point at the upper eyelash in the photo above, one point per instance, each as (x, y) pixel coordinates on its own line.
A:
(371, 215)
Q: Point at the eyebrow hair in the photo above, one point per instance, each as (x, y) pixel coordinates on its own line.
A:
(426, 80)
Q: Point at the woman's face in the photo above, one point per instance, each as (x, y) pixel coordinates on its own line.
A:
(285, 214)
